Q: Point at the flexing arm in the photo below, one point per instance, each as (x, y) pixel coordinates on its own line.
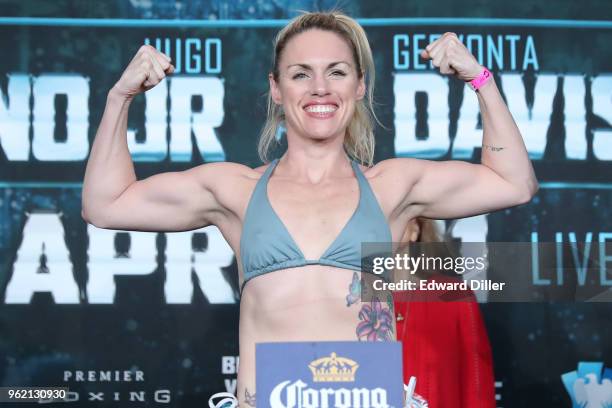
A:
(113, 198)
(455, 189)
(505, 177)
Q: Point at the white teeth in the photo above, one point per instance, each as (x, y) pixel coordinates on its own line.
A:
(321, 108)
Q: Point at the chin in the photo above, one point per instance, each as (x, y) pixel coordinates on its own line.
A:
(322, 132)
(321, 135)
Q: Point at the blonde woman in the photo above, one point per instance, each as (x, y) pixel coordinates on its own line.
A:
(296, 223)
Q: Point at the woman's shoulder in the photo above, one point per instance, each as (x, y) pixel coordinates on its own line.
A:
(229, 171)
(396, 165)
(395, 170)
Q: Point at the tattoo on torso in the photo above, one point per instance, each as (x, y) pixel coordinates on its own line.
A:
(376, 316)
(354, 290)
(376, 321)
(249, 398)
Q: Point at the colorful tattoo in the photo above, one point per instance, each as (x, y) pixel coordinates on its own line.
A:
(249, 399)
(390, 301)
(492, 148)
(354, 290)
(376, 322)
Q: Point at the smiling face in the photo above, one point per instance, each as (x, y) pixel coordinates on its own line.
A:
(318, 85)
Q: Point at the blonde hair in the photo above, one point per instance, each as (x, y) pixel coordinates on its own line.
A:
(359, 139)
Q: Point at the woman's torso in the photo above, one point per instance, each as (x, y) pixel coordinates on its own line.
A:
(311, 302)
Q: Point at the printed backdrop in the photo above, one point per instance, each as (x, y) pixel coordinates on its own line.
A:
(147, 319)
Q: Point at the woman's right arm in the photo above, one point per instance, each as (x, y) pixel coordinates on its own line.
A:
(113, 198)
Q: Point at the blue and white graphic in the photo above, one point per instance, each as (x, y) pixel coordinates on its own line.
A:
(590, 386)
(329, 374)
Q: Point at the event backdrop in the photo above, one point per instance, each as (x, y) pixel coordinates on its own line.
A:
(159, 311)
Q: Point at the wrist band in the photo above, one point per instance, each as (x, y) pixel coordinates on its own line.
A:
(481, 79)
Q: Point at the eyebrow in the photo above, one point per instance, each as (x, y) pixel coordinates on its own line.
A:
(308, 67)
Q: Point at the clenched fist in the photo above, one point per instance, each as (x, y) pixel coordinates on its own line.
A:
(451, 56)
(147, 69)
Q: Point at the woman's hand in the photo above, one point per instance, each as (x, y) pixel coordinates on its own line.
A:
(147, 69)
(451, 56)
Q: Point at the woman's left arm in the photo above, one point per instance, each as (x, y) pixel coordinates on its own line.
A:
(503, 149)
(454, 189)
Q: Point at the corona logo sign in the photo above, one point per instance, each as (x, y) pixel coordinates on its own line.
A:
(339, 374)
(333, 369)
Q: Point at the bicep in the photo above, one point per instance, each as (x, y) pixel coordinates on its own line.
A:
(171, 201)
(457, 189)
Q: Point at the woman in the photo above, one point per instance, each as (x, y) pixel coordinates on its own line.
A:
(445, 343)
(296, 224)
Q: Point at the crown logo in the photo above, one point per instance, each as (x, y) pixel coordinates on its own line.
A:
(333, 369)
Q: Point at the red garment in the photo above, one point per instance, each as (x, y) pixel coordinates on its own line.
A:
(446, 347)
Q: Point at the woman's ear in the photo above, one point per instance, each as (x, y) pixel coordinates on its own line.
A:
(361, 88)
(274, 91)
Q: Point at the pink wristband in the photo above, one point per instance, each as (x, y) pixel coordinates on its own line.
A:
(481, 79)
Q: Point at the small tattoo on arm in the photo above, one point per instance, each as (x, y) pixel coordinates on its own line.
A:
(376, 321)
(249, 398)
(492, 148)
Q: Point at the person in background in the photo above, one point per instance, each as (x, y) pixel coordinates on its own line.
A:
(445, 343)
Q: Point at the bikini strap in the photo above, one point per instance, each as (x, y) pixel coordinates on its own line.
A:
(360, 176)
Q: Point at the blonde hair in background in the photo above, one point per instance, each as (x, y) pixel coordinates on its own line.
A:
(430, 231)
(359, 139)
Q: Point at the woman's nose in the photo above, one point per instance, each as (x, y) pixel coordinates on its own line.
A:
(320, 85)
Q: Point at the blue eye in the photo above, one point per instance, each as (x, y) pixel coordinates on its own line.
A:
(299, 75)
(338, 73)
